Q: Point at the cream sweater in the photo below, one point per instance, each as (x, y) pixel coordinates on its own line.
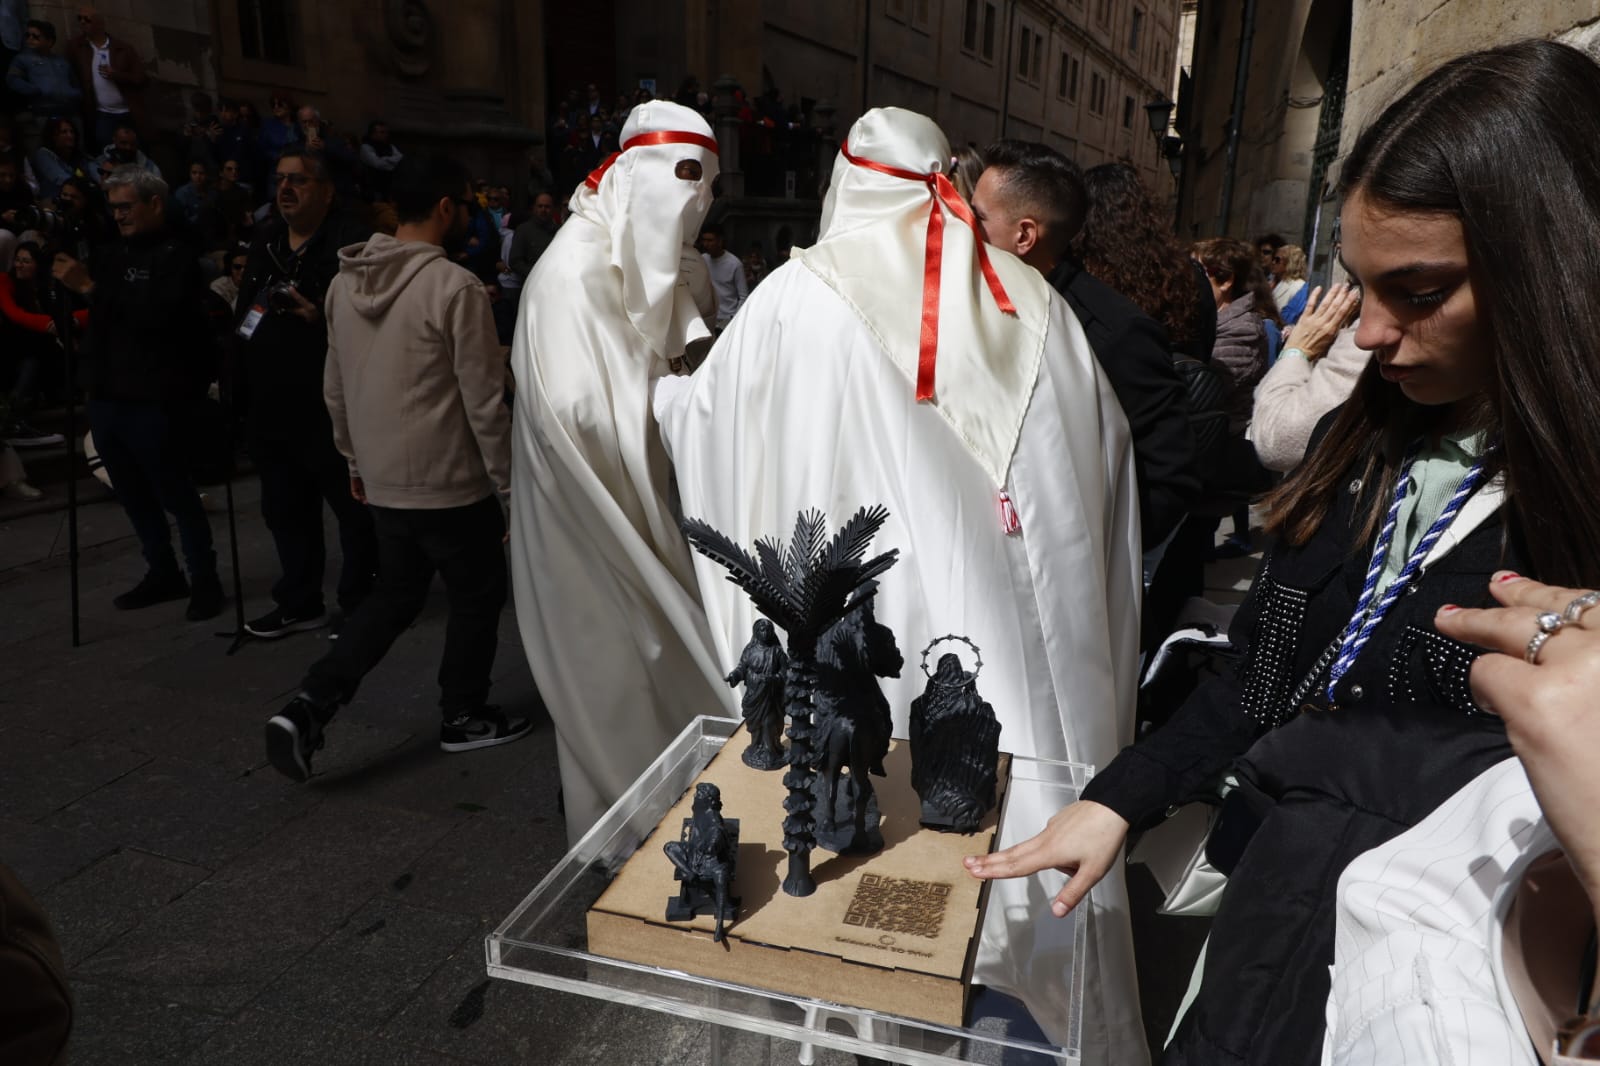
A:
(415, 378)
(1295, 395)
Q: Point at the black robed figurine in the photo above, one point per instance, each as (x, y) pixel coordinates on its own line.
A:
(705, 856)
(955, 745)
(762, 668)
(804, 588)
(853, 725)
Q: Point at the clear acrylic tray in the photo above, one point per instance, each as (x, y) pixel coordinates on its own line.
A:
(544, 943)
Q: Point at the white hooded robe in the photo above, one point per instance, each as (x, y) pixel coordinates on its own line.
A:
(807, 401)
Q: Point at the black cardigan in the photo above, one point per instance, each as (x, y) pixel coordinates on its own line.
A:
(1132, 349)
(1323, 786)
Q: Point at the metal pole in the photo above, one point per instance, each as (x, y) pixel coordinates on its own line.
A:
(1241, 77)
(69, 349)
(1006, 74)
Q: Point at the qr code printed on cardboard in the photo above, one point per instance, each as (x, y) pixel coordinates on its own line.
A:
(898, 905)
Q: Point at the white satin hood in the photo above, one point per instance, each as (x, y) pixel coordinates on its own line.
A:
(871, 251)
(651, 216)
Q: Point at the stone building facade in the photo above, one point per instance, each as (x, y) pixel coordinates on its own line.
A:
(1317, 71)
(1073, 73)
(452, 76)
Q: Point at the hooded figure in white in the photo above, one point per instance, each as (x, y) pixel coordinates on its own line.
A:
(1010, 489)
(605, 590)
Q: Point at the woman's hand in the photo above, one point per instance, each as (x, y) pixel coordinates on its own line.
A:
(1323, 319)
(1551, 708)
(1082, 841)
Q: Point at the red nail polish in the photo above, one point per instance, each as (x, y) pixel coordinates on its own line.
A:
(1509, 576)
(1448, 608)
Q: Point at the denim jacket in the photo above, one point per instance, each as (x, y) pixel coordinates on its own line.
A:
(46, 82)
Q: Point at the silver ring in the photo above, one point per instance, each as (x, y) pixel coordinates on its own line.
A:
(1550, 624)
(1575, 609)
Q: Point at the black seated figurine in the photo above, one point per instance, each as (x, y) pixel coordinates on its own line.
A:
(955, 746)
(705, 857)
(762, 669)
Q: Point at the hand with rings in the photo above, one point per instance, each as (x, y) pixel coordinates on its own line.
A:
(1545, 685)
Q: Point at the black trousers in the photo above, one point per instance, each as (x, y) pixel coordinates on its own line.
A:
(142, 448)
(464, 544)
(297, 475)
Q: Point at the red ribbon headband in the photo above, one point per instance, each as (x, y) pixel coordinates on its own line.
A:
(944, 194)
(645, 140)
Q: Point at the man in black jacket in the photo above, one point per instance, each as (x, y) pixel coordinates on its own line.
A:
(280, 342)
(149, 358)
(1030, 201)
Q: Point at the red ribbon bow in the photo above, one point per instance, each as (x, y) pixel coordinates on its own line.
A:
(945, 194)
(645, 140)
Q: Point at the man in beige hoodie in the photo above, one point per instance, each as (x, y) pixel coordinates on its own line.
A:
(415, 386)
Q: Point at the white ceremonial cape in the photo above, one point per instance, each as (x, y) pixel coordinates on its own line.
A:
(799, 407)
(605, 592)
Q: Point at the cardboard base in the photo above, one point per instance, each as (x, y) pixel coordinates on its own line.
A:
(894, 932)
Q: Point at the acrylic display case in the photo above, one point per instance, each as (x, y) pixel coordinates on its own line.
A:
(544, 941)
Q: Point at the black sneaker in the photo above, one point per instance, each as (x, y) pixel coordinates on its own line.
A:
(483, 728)
(22, 435)
(152, 589)
(293, 734)
(206, 599)
(280, 623)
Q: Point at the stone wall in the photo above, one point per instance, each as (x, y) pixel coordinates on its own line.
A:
(1392, 44)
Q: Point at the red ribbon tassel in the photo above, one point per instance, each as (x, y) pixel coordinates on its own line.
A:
(944, 198)
(646, 140)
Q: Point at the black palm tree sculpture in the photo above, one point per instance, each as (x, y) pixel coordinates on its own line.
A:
(803, 588)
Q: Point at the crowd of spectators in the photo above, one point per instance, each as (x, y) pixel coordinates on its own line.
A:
(776, 138)
(74, 114)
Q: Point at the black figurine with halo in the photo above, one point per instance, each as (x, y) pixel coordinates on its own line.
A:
(955, 744)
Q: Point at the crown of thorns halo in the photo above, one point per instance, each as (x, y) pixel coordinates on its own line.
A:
(966, 678)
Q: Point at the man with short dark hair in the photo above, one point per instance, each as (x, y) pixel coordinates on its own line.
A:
(149, 359)
(42, 81)
(415, 386)
(1030, 201)
(280, 344)
(379, 157)
(533, 236)
(124, 150)
(727, 274)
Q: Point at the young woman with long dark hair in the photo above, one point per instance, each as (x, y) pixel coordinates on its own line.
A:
(58, 158)
(1468, 448)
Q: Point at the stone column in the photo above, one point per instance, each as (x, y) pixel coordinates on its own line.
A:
(822, 120)
(726, 126)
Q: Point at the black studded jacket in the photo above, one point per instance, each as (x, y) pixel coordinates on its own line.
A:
(1319, 784)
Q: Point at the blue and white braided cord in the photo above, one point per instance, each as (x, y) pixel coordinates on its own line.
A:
(1364, 622)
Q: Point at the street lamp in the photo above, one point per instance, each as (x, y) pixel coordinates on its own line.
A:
(1168, 146)
(1160, 114)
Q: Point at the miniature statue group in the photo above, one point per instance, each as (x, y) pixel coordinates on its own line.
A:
(839, 721)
